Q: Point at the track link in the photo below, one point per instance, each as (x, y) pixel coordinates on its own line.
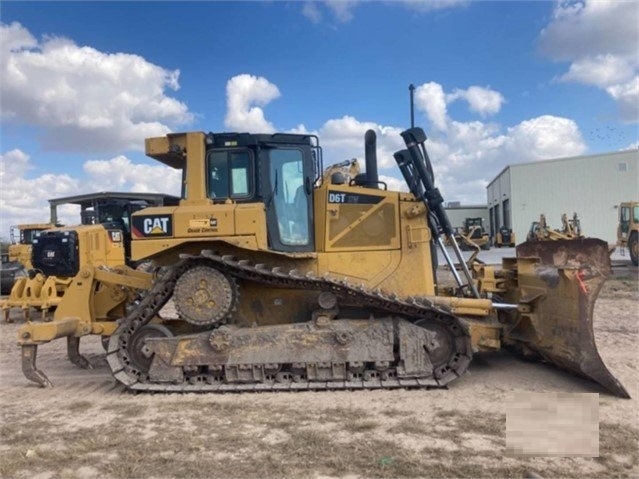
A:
(410, 308)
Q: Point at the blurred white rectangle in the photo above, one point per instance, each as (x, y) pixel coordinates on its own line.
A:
(552, 424)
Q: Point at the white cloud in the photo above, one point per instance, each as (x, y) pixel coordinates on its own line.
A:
(311, 11)
(83, 98)
(544, 137)
(425, 6)
(242, 92)
(599, 38)
(600, 70)
(342, 11)
(25, 200)
(627, 97)
(483, 101)
(343, 139)
(467, 155)
(582, 28)
(121, 174)
(15, 163)
(430, 98)
(393, 183)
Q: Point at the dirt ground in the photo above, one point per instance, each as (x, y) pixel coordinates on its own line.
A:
(88, 427)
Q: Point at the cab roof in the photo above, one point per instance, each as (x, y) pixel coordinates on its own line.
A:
(86, 200)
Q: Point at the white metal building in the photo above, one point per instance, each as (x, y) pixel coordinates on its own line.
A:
(591, 186)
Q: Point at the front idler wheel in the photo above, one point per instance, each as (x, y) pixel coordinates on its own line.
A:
(139, 353)
(442, 346)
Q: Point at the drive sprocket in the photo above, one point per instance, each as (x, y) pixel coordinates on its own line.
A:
(204, 296)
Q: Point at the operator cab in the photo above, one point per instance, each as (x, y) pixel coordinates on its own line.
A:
(277, 170)
(475, 226)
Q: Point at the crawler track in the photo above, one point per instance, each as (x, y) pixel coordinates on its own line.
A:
(409, 308)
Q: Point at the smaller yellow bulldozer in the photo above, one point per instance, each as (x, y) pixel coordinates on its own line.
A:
(472, 235)
(540, 231)
(628, 229)
(57, 254)
(21, 239)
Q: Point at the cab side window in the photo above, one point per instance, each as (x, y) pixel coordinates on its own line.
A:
(229, 174)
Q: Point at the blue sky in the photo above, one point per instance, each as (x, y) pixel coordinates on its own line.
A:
(83, 83)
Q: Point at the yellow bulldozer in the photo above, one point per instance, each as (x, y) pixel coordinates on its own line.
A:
(55, 254)
(570, 229)
(289, 276)
(472, 235)
(628, 229)
(21, 240)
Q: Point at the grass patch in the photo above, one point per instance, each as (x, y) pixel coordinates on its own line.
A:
(235, 440)
(482, 423)
(394, 413)
(79, 406)
(359, 426)
(618, 449)
(24, 433)
(625, 285)
(410, 426)
(125, 408)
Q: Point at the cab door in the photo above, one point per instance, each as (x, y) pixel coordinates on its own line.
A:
(288, 199)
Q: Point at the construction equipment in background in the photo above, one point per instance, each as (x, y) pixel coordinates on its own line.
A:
(505, 237)
(59, 253)
(287, 276)
(21, 239)
(539, 230)
(472, 235)
(571, 229)
(628, 230)
(10, 271)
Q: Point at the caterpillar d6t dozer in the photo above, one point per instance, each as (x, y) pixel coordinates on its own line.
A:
(288, 276)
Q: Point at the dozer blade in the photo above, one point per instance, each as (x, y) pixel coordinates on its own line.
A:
(558, 283)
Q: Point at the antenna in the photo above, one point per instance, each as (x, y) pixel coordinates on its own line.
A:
(411, 87)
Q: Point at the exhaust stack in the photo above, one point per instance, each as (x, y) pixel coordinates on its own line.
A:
(370, 156)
